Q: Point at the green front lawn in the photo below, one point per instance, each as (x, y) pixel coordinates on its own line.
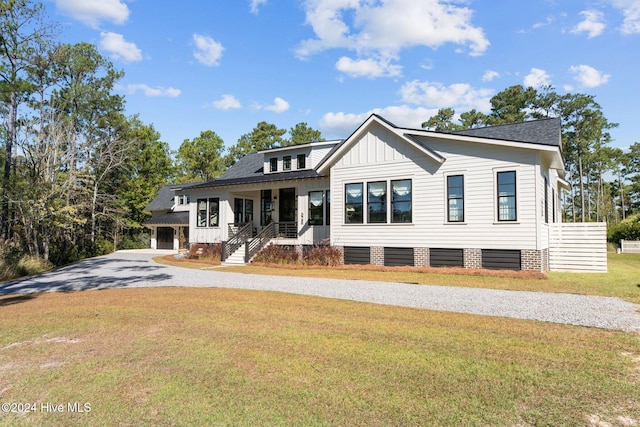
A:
(206, 356)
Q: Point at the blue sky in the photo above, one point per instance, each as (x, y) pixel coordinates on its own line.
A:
(226, 65)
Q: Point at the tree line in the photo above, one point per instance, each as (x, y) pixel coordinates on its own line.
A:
(78, 172)
(605, 181)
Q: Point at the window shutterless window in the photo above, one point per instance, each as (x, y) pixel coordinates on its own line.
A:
(301, 161)
(214, 212)
(377, 202)
(286, 163)
(183, 199)
(316, 208)
(546, 200)
(507, 196)
(401, 193)
(328, 208)
(455, 198)
(353, 203)
(273, 164)
(208, 212)
(202, 212)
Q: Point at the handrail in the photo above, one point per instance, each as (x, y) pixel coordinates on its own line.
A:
(287, 230)
(237, 240)
(260, 241)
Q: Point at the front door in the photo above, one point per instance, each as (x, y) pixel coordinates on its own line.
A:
(164, 238)
(287, 206)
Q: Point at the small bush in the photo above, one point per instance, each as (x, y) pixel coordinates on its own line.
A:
(322, 255)
(208, 251)
(139, 242)
(628, 230)
(277, 254)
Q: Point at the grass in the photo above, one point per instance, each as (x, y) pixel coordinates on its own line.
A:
(622, 279)
(206, 356)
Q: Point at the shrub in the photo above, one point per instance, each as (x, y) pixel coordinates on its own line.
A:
(277, 254)
(628, 230)
(209, 251)
(322, 255)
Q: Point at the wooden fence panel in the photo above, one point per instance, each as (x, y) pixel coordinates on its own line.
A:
(580, 247)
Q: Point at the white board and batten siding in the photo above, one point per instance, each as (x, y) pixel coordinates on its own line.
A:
(382, 155)
(578, 247)
(630, 247)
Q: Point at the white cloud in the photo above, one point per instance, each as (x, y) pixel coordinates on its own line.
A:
(460, 96)
(490, 75)
(340, 125)
(631, 12)
(255, 5)
(227, 102)
(154, 91)
(593, 23)
(383, 29)
(92, 12)
(208, 51)
(588, 76)
(119, 48)
(368, 67)
(279, 106)
(537, 78)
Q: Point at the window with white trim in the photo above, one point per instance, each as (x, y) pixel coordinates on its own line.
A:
(353, 203)
(316, 207)
(507, 208)
(377, 202)
(208, 212)
(401, 195)
(455, 198)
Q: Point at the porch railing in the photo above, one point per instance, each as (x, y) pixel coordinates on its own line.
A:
(237, 239)
(288, 230)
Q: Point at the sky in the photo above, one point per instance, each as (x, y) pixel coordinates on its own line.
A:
(226, 65)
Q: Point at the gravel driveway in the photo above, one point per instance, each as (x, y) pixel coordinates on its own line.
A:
(133, 269)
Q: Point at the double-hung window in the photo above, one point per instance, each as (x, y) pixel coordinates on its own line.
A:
(377, 202)
(273, 164)
(208, 214)
(401, 193)
(455, 198)
(353, 203)
(286, 163)
(316, 208)
(507, 208)
(301, 161)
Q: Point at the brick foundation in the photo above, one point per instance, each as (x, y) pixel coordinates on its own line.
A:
(533, 260)
(421, 257)
(377, 255)
(472, 258)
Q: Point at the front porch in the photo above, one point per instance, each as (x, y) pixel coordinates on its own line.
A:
(245, 242)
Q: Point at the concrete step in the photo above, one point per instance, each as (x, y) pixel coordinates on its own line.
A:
(236, 258)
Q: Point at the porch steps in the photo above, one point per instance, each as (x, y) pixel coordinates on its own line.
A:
(236, 258)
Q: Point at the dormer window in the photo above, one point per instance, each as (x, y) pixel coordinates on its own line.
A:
(183, 199)
(286, 163)
(301, 161)
(273, 162)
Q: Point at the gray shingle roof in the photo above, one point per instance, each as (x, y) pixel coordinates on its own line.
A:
(544, 131)
(250, 165)
(163, 200)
